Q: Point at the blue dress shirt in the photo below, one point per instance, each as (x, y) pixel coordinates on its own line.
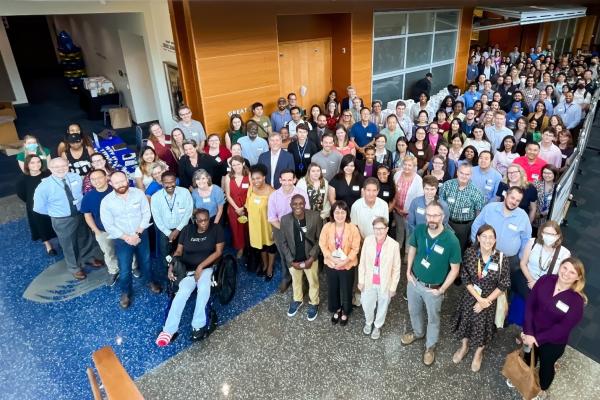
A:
(50, 197)
(487, 182)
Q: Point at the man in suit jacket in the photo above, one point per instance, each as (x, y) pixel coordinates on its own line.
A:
(300, 231)
(276, 160)
(487, 69)
(316, 134)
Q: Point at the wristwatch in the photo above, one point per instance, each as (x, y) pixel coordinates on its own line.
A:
(138, 234)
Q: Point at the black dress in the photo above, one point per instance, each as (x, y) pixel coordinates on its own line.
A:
(39, 224)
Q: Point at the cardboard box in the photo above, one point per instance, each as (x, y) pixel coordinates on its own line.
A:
(119, 118)
(8, 131)
(11, 149)
(7, 110)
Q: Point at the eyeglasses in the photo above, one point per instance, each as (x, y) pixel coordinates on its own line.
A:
(379, 228)
(433, 215)
(202, 220)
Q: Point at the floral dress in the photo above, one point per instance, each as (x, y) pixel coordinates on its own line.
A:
(479, 328)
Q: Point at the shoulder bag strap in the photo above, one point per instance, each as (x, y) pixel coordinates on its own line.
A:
(553, 262)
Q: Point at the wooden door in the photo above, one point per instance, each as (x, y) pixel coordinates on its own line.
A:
(306, 64)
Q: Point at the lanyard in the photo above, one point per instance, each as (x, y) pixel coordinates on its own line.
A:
(481, 274)
(428, 249)
(378, 253)
(172, 205)
(301, 152)
(339, 239)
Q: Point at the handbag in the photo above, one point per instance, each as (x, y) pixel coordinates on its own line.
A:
(501, 303)
(524, 377)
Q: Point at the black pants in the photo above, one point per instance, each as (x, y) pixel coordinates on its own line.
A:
(518, 284)
(339, 289)
(463, 233)
(547, 355)
(165, 247)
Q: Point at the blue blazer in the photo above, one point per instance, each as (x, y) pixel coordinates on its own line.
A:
(285, 161)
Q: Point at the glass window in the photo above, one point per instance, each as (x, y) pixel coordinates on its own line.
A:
(559, 46)
(411, 79)
(444, 46)
(418, 50)
(390, 24)
(442, 76)
(420, 22)
(446, 20)
(388, 55)
(571, 27)
(388, 89)
(562, 27)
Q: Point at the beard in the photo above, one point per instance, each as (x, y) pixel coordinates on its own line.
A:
(122, 189)
(433, 225)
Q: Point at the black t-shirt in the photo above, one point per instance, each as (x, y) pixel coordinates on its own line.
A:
(299, 238)
(529, 195)
(343, 191)
(198, 246)
(387, 190)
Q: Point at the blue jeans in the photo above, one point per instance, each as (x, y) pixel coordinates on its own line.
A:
(186, 288)
(125, 254)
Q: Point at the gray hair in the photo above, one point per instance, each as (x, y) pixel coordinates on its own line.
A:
(200, 173)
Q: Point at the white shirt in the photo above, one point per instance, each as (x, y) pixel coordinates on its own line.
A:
(274, 158)
(552, 155)
(362, 215)
(533, 263)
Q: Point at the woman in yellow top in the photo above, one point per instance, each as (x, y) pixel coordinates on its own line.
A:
(340, 244)
(260, 233)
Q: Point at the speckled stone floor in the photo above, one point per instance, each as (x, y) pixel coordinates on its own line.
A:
(263, 354)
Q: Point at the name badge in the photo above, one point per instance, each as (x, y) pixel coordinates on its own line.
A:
(355, 188)
(466, 210)
(564, 156)
(562, 306)
(493, 267)
(477, 289)
(331, 162)
(489, 181)
(228, 169)
(488, 187)
(257, 201)
(425, 263)
(218, 159)
(245, 186)
(523, 140)
(386, 193)
(438, 249)
(324, 171)
(512, 227)
(365, 173)
(450, 199)
(73, 183)
(206, 199)
(420, 211)
(136, 204)
(307, 156)
(535, 176)
(265, 124)
(369, 134)
(260, 148)
(420, 153)
(504, 193)
(181, 209)
(303, 228)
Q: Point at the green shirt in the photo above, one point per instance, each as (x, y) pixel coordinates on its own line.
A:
(44, 156)
(263, 126)
(438, 253)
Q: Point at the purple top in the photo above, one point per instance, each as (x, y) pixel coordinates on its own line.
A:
(550, 319)
(279, 203)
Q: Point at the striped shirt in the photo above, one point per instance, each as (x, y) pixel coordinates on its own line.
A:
(465, 204)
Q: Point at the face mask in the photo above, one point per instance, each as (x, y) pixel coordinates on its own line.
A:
(31, 147)
(549, 240)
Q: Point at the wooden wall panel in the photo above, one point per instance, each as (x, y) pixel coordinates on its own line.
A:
(362, 53)
(341, 53)
(303, 27)
(463, 47)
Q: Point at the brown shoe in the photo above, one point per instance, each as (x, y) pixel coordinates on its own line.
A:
(79, 275)
(124, 302)
(95, 263)
(155, 288)
(409, 338)
(476, 363)
(429, 356)
(460, 354)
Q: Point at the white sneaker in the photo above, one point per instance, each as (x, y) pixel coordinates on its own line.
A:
(367, 329)
(509, 383)
(376, 333)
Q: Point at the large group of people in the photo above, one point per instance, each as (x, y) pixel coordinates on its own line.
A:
(455, 194)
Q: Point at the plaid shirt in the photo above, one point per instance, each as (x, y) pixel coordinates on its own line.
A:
(464, 205)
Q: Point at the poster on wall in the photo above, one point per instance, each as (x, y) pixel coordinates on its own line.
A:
(174, 88)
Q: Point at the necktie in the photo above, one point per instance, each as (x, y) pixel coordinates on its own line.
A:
(70, 197)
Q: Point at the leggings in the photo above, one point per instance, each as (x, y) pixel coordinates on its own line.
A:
(547, 354)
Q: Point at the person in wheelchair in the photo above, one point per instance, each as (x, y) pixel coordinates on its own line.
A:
(199, 249)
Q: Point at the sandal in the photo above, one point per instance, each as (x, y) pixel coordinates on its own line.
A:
(79, 275)
(336, 317)
(343, 322)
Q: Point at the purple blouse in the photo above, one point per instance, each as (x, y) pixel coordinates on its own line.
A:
(550, 319)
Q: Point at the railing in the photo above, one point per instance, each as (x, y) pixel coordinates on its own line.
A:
(562, 192)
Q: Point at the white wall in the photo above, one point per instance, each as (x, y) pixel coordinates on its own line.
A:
(152, 23)
(11, 68)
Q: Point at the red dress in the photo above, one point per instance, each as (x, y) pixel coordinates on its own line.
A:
(163, 151)
(239, 231)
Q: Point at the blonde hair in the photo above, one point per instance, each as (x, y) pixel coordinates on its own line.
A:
(580, 283)
(524, 183)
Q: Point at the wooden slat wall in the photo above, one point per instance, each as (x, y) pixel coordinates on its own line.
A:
(464, 43)
(362, 53)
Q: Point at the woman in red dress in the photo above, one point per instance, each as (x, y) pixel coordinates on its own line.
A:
(236, 184)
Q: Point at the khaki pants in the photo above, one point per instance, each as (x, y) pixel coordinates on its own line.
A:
(108, 248)
(372, 298)
(312, 275)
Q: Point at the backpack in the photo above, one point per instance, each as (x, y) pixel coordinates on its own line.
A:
(224, 279)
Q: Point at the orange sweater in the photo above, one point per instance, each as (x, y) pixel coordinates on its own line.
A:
(350, 243)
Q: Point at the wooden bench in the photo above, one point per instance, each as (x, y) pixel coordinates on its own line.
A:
(117, 383)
